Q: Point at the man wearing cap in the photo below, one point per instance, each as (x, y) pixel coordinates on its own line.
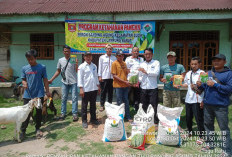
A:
(149, 72)
(89, 87)
(69, 82)
(171, 94)
(216, 102)
(119, 71)
(133, 63)
(105, 76)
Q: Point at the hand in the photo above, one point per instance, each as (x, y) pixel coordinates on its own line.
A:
(25, 84)
(210, 83)
(202, 105)
(82, 94)
(172, 78)
(48, 94)
(128, 83)
(142, 70)
(136, 85)
(49, 81)
(163, 80)
(128, 71)
(177, 86)
(192, 86)
(198, 83)
(100, 79)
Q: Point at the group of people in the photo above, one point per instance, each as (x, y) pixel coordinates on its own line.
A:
(112, 73)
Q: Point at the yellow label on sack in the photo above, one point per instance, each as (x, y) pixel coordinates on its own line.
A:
(150, 135)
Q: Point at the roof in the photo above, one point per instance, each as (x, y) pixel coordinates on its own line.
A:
(109, 6)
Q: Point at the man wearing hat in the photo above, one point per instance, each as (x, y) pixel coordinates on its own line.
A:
(119, 71)
(89, 87)
(171, 94)
(216, 102)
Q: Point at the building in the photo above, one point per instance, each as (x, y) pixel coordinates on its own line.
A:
(188, 27)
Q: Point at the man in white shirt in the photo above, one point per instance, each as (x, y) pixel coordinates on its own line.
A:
(89, 87)
(193, 99)
(149, 72)
(105, 76)
(133, 63)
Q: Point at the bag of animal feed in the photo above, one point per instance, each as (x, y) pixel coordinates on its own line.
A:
(145, 120)
(138, 141)
(133, 77)
(168, 130)
(114, 129)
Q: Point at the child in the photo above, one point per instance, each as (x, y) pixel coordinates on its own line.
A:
(194, 98)
(34, 79)
(89, 87)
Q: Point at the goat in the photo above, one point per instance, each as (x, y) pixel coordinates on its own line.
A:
(18, 115)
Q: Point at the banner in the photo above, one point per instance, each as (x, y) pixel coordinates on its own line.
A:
(123, 35)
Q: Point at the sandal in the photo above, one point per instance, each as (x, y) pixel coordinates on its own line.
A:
(75, 118)
(200, 141)
(3, 127)
(39, 134)
(206, 148)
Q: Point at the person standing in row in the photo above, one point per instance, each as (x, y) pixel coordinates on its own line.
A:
(193, 99)
(149, 72)
(133, 63)
(89, 87)
(119, 71)
(69, 82)
(171, 94)
(104, 75)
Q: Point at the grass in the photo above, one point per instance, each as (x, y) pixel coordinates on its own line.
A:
(73, 132)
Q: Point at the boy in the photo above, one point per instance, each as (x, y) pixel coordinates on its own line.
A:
(216, 102)
(89, 87)
(194, 98)
(69, 82)
(34, 79)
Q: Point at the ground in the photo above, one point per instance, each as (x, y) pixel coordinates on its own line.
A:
(69, 138)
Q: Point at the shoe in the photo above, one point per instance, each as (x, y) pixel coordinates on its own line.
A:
(39, 134)
(95, 122)
(62, 117)
(84, 125)
(22, 136)
(3, 127)
(206, 148)
(75, 118)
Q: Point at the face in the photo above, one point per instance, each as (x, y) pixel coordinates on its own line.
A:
(120, 57)
(66, 52)
(88, 58)
(171, 59)
(109, 50)
(31, 60)
(148, 55)
(135, 52)
(218, 63)
(195, 65)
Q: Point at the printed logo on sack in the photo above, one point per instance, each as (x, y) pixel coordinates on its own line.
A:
(114, 124)
(143, 119)
(147, 27)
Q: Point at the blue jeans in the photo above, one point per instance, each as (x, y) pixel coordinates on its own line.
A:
(65, 91)
(122, 97)
(221, 114)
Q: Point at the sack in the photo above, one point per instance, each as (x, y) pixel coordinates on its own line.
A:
(63, 75)
(168, 130)
(145, 121)
(114, 129)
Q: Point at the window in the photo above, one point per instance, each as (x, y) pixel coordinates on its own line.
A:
(204, 44)
(43, 44)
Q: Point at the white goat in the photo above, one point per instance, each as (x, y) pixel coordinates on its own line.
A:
(18, 115)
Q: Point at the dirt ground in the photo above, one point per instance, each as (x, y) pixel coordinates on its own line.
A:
(42, 147)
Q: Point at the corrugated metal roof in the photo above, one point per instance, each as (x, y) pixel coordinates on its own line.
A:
(109, 6)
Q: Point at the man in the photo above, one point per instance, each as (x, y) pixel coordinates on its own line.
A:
(34, 79)
(89, 87)
(133, 63)
(193, 99)
(171, 95)
(119, 71)
(149, 71)
(105, 77)
(216, 102)
(69, 82)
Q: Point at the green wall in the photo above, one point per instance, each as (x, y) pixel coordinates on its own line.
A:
(21, 43)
